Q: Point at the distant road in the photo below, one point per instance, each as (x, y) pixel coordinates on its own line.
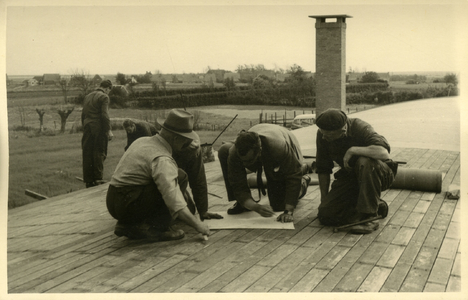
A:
(428, 124)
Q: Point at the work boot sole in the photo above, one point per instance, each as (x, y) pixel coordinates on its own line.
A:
(129, 233)
(382, 210)
(236, 209)
(364, 228)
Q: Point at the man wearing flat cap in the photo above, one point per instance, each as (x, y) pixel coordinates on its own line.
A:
(365, 171)
(147, 191)
(96, 133)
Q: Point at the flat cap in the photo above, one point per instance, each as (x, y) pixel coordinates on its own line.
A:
(106, 84)
(331, 119)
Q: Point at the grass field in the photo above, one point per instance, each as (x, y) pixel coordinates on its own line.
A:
(397, 86)
(49, 164)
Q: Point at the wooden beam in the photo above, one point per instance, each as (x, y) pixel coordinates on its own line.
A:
(35, 195)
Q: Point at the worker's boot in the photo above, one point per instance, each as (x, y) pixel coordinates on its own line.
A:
(383, 209)
(304, 185)
(147, 232)
(132, 231)
(365, 228)
(171, 234)
(236, 209)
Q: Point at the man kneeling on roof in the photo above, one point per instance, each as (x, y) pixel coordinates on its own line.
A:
(190, 160)
(147, 191)
(275, 150)
(366, 170)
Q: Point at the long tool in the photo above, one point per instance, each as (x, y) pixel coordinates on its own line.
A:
(221, 132)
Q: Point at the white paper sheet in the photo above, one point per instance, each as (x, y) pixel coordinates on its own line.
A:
(250, 220)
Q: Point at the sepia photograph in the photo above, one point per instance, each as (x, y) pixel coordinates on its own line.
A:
(233, 148)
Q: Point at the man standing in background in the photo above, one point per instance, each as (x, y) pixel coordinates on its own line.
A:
(96, 133)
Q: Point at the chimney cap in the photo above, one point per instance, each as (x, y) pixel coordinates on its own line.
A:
(330, 16)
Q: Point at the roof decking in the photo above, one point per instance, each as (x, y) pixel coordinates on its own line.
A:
(66, 244)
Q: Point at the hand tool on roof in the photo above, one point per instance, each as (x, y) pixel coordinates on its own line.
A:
(206, 144)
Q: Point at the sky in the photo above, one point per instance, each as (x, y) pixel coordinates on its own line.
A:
(173, 37)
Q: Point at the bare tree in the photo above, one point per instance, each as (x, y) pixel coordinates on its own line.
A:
(64, 85)
(22, 114)
(41, 113)
(82, 80)
(64, 113)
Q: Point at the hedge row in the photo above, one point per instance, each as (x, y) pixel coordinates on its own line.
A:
(284, 96)
(388, 97)
(366, 87)
(273, 96)
(186, 91)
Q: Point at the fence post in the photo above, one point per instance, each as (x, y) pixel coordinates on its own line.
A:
(275, 117)
(260, 117)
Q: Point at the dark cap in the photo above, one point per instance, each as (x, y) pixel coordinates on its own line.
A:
(331, 119)
(106, 84)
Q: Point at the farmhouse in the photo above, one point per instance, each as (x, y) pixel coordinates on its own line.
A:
(280, 77)
(48, 79)
(96, 79)
(38, 79)
(32, 82)
(189, 78)
(231, 75)
(219, 74)
(209, 78)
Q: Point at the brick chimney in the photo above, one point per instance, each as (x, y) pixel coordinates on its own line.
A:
(330, 62)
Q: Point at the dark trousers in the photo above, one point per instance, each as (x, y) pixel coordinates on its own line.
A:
(275, 188)
(355, 192)
(94, 145)
(144, 203)
(191, 161)
(223, 154)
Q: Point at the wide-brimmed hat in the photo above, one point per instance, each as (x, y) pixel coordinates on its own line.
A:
(179, 122)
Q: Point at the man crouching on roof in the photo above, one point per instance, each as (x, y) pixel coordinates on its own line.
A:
(147, 191)
(271, 149)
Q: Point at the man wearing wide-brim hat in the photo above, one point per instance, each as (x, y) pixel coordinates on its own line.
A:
(147, 191)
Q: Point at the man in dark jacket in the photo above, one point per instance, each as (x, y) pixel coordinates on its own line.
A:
(366, 170)
(96, 133)
(136, 129)
(275, 150)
